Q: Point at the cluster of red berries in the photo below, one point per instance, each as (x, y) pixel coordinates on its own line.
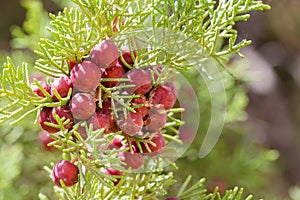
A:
(105, 66)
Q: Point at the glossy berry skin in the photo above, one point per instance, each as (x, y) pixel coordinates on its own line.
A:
(45, 117)
(85, 76)
(165, 95)
(82, 106)
(38, 91)
(127, 56)
(71, 64)
(115, 71)
(141, 79)
(99, 120)
(132, 124)
(142, 105)
(65, 171)
(62, 85)
(105, 54)
(62, 111)
(159, 142)
(44, 140)
(156, 118)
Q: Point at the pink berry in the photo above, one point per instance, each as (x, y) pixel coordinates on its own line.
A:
(165, 95)
(127, 56)
(115, 71)
(132, 124)
(82, 132)
(156, 118)
(65, 171)
(62, 111)
(159, 142)
(99, 121)
(105, 54)
(38, 91)
(44, 140)
(82, 106)
(62, 85)
(141, 80)
(45, 117)
(85, 76)
(142, 103)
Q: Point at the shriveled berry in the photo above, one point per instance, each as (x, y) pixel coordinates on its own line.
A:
(141, 105)
(115, 71)
(132, 124)
(99, 120)
(62, 85)
(128, 57)
(44, 140)
(141, 80)
(65, 171)
(82, 106)
(45, 117)
(105, 54)
(62, 111)
(113, 172)
(159, 142)
(38, 91)
(165, 95)
(156, 118)
(85, 76)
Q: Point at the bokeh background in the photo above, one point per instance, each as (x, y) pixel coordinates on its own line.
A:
(260, 154)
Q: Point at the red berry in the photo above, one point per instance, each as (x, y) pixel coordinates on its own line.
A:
(62, 111)
(155, 119)
(44, 140)
(85, 76)
(105, 54)
(133, 160)
(113, 172)
(165, 95)
(155, 70)
(45, 117)
(82, 106)
(82, 132)
(159, 142)
(62, 85)
(143, 105)
(127, 56)
(38, 91)
(115, 71)
(65, 171)
(141, 79)
(132, 124)
(71, 64)
(172, 198)
(99, 120)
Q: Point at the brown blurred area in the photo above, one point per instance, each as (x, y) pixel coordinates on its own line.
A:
(11, 13)
(274, 111)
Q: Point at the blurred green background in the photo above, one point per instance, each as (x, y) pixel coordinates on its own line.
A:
(260, 154)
